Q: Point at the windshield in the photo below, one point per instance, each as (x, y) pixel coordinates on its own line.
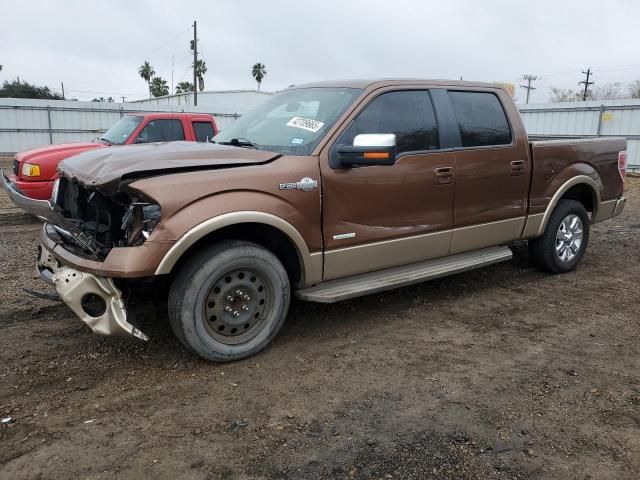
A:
(291, 122)
(121, 130)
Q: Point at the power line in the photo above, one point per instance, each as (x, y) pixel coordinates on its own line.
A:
(586, 83)
(146, 56)
(529, 78)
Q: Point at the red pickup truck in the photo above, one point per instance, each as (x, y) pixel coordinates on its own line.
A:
(34, 171)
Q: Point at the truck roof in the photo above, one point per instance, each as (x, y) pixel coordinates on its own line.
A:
(161, 115)
(383, 82)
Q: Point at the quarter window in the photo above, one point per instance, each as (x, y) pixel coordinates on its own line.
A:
(163, 130)
(409, 114)
(203, 130)
(481, 119)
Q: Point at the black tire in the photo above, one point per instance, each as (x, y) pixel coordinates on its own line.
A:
(228, 301)
(553, 254)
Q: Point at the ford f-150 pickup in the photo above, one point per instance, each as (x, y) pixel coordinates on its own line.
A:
(326, 191)
(34, 171)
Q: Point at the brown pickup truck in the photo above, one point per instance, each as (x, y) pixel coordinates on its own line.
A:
(327, 191)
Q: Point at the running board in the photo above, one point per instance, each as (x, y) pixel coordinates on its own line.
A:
(381, 280)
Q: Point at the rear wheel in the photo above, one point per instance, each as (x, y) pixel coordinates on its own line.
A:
(564, 241)
(229, 301)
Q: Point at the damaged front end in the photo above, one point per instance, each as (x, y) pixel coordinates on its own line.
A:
(97, 223)
(88, 225)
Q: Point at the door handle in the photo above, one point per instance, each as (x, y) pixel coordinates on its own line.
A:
(518, 167)
(444, 175)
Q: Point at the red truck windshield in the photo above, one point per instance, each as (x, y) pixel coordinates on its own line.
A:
(121, 130)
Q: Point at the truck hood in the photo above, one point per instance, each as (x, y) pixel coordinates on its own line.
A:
(104, 169)
(55, 152)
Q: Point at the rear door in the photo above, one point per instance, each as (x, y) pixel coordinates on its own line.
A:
(492, 169)
(380, 216)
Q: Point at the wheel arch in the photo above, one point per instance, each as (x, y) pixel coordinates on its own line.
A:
(582, 188)
(265, 229)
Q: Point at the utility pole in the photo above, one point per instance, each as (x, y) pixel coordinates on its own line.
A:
(62, 84)
(528, 87)
(586, 83)
(195, 62)
(123, 98)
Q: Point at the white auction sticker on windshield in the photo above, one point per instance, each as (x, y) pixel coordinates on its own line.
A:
(305, 124)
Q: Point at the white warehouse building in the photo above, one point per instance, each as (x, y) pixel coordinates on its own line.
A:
(225, 105)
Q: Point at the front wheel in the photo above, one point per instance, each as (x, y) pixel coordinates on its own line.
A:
(564, 241)
(229, 301)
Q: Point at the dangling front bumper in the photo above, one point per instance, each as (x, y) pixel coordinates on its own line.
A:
(94, 299)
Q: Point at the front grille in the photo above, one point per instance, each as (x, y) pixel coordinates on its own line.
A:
(16, 167)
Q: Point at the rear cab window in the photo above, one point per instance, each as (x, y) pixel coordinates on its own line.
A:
(203, 131)
(161, 130)
(481, 119)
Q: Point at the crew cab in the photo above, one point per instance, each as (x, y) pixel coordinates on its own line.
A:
(326, 191)
(34, 171)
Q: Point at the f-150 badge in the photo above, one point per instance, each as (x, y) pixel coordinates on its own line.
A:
(306, 185)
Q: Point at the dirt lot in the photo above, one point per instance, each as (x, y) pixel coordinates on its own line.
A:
(503, 372)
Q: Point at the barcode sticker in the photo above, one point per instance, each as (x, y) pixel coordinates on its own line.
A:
(305, 124)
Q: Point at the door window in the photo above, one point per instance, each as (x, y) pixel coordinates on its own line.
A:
(163, 130)
(409, 114)
(203, 130)
(481, 119)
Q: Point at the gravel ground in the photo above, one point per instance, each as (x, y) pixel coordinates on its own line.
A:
(503, 372)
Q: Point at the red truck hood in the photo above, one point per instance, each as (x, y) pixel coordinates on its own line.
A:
(105, 169)
(56, 152)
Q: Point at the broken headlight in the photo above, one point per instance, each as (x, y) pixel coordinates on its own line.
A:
(139, 221)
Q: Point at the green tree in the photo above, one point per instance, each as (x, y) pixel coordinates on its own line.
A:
(201, 69)
(184, 87)
(146, 71)
(19, 89)
(159, 87)
(258, 72)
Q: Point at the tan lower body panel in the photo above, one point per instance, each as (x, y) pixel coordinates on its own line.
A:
(473, 237)
(606, 209)
(375, 256)
(367, 283)
(532, 227)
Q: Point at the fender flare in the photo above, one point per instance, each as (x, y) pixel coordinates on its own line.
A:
(572, 182)
(310, 263)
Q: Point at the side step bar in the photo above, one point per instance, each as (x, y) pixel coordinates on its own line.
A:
(390, 278)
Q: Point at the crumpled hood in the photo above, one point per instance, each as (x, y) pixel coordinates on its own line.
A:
(105, 168)
(57, 151)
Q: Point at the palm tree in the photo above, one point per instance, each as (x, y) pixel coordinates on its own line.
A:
(184, 87)
(258, 71)
(146, 71)
(158, 87)
(201, 69)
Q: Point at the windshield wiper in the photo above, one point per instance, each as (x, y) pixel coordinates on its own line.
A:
(109, 142)
(241, 142)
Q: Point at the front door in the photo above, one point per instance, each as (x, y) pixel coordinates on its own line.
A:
(380, 216)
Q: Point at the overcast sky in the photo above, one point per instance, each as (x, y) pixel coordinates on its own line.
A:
(97, 47)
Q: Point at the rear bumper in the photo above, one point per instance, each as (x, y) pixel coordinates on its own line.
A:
(39, 190)
(620, 204)
(94, 299)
